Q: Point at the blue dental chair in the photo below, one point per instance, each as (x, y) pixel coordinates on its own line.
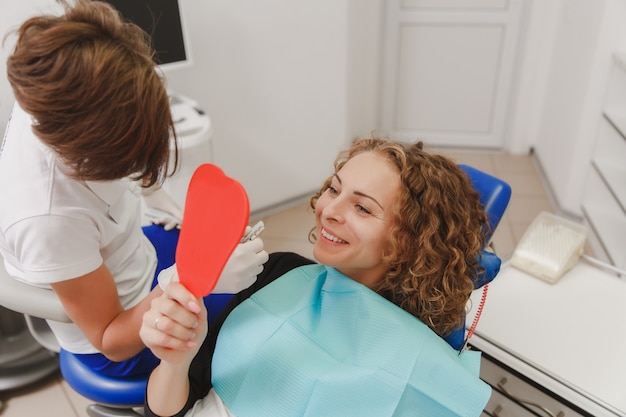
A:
(115, 397)
(495, 195)
(112, 397)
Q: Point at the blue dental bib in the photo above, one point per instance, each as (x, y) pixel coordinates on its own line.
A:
(316, 343)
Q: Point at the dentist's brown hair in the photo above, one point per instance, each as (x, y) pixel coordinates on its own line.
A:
(88, 80)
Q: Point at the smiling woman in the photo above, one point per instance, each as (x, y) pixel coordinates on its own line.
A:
(354, 216)
(428, 216)
(397, 234)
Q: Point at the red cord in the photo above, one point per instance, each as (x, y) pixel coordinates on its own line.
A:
(478, 312)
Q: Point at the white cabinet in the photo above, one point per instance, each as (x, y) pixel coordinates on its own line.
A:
(569, 104)
(514, 395)
(604, 198)
(194, 134)
(560, 346)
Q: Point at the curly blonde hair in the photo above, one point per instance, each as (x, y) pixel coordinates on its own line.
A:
(438, 230)
(88, 80)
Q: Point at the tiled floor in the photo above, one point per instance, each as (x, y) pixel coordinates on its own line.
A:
(288, 230)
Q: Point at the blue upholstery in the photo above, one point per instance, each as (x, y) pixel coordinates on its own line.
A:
(494, 196)
(116, 396)
(128, 392)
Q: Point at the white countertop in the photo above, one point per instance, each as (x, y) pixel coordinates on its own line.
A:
(569, 336)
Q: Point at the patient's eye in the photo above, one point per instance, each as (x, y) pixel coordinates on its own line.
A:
(334, 186)
(362, 209)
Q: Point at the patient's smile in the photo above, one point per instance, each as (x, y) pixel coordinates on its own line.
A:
(331, 237)
(354, 217)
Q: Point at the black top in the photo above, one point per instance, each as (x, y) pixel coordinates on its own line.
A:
(200, 384)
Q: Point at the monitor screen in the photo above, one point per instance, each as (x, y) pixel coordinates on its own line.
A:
(162, 20)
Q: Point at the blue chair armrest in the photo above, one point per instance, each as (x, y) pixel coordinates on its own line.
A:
(495, 195)
(491, 264)
(214, 304)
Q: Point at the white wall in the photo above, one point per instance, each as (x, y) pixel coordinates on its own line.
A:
(582, 37)
(11, 15)
(562, 121)
(536, 48)
(288, 82)
(278, 79)
(285, 82)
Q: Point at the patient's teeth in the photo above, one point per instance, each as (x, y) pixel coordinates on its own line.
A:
(331, 237)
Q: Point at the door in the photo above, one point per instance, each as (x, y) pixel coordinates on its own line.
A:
(448, 69)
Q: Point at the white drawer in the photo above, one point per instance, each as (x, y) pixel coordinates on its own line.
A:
(531, 399)
(501, 406)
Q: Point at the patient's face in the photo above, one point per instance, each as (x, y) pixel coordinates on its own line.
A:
(354, 216)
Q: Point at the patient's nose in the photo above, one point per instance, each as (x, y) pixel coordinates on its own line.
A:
(334, 210)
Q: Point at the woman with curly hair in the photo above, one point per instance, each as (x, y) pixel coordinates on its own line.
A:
(397, 235)
(436, 231)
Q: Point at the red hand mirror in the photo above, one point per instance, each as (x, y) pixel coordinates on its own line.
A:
(215, 217)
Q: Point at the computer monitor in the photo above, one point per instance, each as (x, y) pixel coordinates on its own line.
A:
(162, 20)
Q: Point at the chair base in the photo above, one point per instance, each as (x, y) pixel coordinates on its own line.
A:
(98, 410)
(22, 360)
(22, 373)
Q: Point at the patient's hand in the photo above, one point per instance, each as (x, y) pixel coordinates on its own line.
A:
(175, 325)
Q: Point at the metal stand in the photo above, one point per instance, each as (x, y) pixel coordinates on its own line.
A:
(23, 361)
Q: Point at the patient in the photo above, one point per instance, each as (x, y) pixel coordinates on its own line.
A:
(396, 237)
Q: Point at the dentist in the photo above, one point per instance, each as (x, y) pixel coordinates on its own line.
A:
(88, 138)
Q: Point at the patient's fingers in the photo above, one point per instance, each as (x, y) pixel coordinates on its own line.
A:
(179, 293)
(179, 305)
(171, 329)
(175, 320)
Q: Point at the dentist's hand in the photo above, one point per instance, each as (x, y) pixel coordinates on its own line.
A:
(164, 209)
(241, 269)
